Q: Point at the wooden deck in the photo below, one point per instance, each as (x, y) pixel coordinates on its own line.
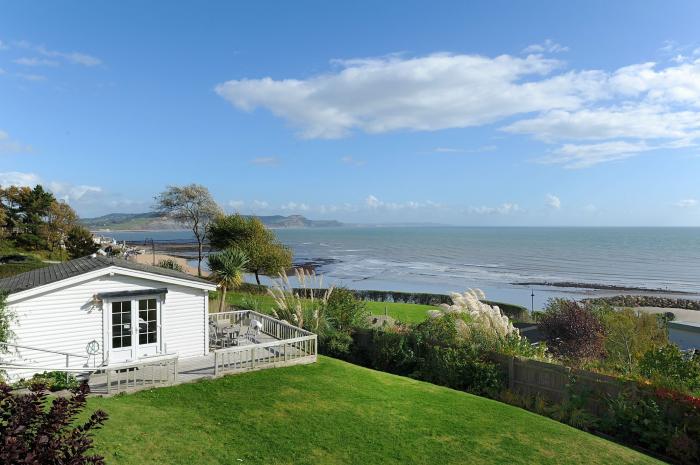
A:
(279, 344)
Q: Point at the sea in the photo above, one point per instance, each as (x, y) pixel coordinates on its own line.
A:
(497, 260)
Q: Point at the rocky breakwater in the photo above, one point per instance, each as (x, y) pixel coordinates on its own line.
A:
(647, 301)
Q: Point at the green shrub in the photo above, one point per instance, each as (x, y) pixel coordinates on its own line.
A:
(344, 311)
(462, 368)
(440, 330)
(170, 264)
(335, 344)
(52, 380)
(638, 420)
(392, 351)
(668, 367)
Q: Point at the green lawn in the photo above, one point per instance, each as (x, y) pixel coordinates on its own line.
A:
(332, 412)
(408, 313)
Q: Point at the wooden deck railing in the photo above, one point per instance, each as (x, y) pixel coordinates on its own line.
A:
(271, 326)
(142, 374)
(255, 356)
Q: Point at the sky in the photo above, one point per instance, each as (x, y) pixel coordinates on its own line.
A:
(541, 113)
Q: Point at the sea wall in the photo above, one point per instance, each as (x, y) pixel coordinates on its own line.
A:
(647, 301)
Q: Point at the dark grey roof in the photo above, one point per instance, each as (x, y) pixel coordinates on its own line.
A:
(59, 271)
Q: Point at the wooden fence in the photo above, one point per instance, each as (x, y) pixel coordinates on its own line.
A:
(134, 376)
(555, 383)
(271, 326)
(271, 354)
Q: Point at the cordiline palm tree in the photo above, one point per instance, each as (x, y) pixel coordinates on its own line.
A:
(227, 268)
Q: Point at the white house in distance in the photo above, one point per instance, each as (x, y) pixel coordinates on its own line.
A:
(108, 309)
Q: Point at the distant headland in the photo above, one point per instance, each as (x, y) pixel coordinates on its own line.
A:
(155, 221)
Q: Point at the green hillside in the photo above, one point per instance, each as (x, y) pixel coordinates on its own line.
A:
(336, 413)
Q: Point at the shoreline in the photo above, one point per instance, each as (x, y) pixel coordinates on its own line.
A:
(602, 287)
(186, 251)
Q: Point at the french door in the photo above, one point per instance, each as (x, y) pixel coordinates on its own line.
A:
(134, 329)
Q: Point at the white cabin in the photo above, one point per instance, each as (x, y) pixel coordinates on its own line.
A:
(100, 311)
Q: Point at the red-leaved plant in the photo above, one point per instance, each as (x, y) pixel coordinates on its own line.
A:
(573, 331)
(34, 433)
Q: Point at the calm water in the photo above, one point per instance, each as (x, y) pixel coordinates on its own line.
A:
(443, 259)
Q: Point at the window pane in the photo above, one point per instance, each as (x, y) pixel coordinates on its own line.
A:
(143, 338)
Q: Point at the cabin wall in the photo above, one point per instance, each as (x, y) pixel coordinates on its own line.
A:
(66, 320)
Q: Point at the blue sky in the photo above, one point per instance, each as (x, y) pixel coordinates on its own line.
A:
(488, 113)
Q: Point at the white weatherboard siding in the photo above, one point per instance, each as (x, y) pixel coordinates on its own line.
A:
(66, 319)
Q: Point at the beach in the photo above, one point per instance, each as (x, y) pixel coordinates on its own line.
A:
(509, 264)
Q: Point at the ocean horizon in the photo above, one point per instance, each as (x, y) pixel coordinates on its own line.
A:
(443, 259)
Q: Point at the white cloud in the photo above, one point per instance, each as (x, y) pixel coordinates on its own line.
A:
(483, 148)
(11, 146)
(25, 61)
(31, 77)
(348, 160)
(585, 155)
(72, 193)
(2, 71)
(373, 203)
(260, 204)
(687, 203)
(77, 58)
(548, 46)
(590, 208)
(553, 201)
(236, 204)
(293, 206)
(503, 209)
(593, 116)
(265, 161)
(16, 178)
(433, 92)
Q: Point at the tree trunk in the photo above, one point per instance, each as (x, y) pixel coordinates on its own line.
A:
(199, 262)
(257, 277)
(223, 298)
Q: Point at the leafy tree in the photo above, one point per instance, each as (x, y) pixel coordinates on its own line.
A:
(629, 335)
(572, 331)
(61, 218)
(345, 311)
(27, 212)
(34, 431)
(79, 242)
(191, 205)
(227, 268)
(266, 255)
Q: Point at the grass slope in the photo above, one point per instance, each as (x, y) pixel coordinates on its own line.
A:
(335, 413)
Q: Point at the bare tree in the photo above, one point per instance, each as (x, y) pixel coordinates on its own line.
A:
(193, 206)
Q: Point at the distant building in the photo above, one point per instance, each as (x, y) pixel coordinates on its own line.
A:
(685, 335)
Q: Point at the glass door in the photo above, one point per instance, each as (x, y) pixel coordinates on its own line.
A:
(148, 327)
(121, 334)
